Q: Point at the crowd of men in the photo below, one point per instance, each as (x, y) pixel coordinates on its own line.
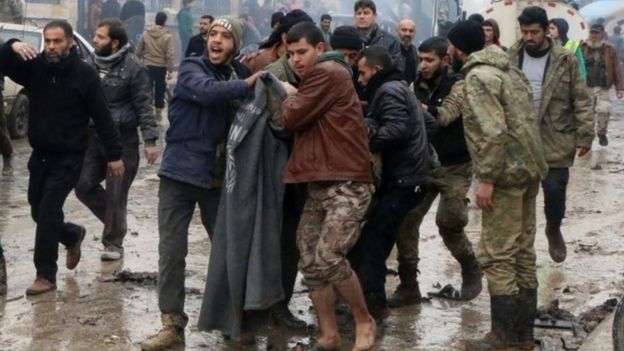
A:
(372, 129)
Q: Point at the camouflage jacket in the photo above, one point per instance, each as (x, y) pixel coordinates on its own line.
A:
(565, 118)
(500, 129)
(11, 11)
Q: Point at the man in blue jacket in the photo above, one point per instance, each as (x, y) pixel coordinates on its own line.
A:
(204, 102)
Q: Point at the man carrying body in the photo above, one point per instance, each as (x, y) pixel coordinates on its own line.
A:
(506, 151)
(603, 72)
(397, 131)
(365, 15)
(127, 87)
(323, 113)
(451, 181)
(64, 93)
(406, 30)
(561, 106)
(197, 43)
(193, 162)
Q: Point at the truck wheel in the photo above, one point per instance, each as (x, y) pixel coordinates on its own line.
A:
(618, 327)
(18, 119)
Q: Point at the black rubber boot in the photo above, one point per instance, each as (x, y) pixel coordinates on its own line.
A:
(283, 317)
(471, 276)
(556, 244)
(405, 296)
(503, 336)
(527, 310)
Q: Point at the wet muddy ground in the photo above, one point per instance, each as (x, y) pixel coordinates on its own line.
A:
(93, 310)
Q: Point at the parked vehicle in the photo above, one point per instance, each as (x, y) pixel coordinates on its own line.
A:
(15, 96)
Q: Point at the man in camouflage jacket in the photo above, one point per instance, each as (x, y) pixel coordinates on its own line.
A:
(11, 11)
(508, 162)
(563, 110)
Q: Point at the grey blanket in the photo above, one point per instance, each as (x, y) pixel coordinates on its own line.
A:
(244, 271)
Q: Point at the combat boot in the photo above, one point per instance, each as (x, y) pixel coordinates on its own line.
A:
(171, 334)
(471, 276)
(405, 295)
(3, 276)
(503, 336)
(282, 316)
(527, 310)
(556, 244)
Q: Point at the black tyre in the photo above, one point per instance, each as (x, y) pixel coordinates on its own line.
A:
(618, 327)
(18, 119)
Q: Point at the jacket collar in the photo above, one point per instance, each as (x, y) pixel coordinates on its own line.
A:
(386, 75)
(112, 60)
(65, 62)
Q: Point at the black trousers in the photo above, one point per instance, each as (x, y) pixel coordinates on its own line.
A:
(554, 187)
(294, 200)
(1, 252)
(6, 149)
(109, 205)
(52, 178)
(158, 77)
(390, 206)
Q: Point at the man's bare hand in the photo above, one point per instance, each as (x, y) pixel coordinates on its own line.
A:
(24, 50)
(251, 81)
(483, 196)
(116, 169)
(151, 154)
(619, 94)
(290, 90)
(582, 151)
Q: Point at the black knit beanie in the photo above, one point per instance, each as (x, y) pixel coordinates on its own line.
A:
(467, 36)
(291, 18)
(346, 37)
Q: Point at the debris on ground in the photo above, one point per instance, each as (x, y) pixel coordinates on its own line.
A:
(141, 278)
(92, 321)
(590, 319)
(552, 312)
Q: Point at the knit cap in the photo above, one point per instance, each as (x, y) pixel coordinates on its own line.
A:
(467, 36)
(232, 25)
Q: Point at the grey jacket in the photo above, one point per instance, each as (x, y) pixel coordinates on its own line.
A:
(127, 88)
(245, 270)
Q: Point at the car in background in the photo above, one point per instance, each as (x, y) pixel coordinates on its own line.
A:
(15, 96)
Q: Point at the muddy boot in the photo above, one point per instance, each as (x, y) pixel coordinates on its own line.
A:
(471, 276)
(40, 286)
(3, 276)
(7, 166)
(74, 252)
(171, 334)
(527, 310)
(556, 244)
(502, 337)
(405, 295)
(602, 140)
(282, 316)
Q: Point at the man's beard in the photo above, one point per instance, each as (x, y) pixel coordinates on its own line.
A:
(56, 58)
(534, 49)
(435, 75)
(456, 63)
(105, 51)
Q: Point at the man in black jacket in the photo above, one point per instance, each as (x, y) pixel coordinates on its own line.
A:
(398, 131)
(197, 44)
(365, 14)
(128, 92)
(451, 181)
(64, 93)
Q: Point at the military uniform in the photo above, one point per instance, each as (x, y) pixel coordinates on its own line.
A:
(501, 136)
(11, 11)
(451, 180)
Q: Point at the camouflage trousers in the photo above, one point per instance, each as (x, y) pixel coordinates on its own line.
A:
(452, 184)
(506, 252)
(330, 225)
(601, 108)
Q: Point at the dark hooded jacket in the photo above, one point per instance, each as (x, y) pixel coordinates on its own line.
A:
(398, 129)
(379, 37)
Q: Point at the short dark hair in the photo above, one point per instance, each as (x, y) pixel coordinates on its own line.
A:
(305, 30)
(365, 4)
(477, 17)
(376, 56)
(116, 30)
(208, 17)
(326, 17)
(438, 45)
(63, 24)
(161, 18)
(533, 15)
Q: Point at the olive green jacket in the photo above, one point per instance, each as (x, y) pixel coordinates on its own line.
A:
(11, 11)
(565, 117)
(499, 125)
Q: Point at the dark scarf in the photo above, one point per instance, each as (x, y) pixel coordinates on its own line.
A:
(387, 74)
